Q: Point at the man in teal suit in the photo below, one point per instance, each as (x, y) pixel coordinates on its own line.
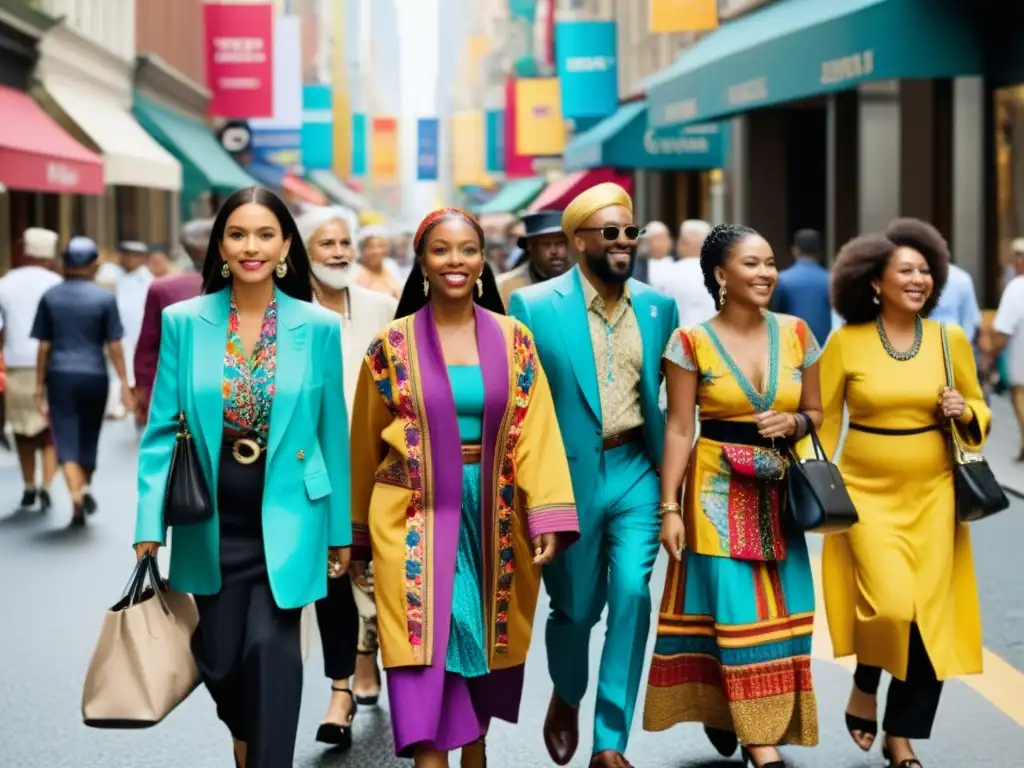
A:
(600, 335)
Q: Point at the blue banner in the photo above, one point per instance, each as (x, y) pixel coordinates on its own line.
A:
(494, 122)
(360, 155)
(426, 149)
(276, 147)
(317, 128)
(588, 67)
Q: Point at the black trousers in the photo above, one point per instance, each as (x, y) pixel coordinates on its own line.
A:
(911, 705)
(338, 619)
(248, 650)
(77, 403)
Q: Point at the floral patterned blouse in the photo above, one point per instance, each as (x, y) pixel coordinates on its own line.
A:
(248, 386)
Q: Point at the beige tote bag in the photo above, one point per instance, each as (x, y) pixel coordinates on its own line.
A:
(143, 666)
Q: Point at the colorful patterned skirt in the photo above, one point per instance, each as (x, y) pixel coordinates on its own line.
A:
(734, 648)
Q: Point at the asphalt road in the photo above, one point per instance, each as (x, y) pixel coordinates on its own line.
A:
(54, 589)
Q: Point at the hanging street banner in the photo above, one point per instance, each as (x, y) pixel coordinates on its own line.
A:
(360, 156)
(495, 140)
(239, 40)
(588, 68)
(683, 15)
(539, 126)
(384, 150)
(317, 128)
(426, 149)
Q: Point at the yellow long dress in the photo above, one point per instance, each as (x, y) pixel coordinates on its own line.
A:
(908, 559)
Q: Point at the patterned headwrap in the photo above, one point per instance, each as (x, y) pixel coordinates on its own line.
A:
(433, 217)
(592, 200)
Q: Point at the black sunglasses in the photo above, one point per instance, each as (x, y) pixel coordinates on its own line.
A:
(611, 232)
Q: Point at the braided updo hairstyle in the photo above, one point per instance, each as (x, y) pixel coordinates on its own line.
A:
(714, 251)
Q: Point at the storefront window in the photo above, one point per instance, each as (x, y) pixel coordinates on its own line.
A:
(1009, 126)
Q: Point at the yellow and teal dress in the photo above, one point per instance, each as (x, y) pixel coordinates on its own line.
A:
(733, 647)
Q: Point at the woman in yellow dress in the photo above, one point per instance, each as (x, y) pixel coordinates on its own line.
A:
(734, 630)
(899, 586)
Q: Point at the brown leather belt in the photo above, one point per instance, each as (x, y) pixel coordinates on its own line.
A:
(245, 449)
(622, 438)
(471, 454)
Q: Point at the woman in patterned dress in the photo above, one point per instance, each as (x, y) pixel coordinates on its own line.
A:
(734, 630)
(254, 368)
(462, 489)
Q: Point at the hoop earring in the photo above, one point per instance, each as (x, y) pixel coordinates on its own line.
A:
(875, 298)
(281, 269)
(225, 270)
(721, 295)
(426, 287)
(479, 287)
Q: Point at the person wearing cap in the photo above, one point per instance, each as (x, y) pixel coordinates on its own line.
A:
(77, 321)
(547, 250)
(162, 293)
(600, 335)
(373, 272)
(20, 292)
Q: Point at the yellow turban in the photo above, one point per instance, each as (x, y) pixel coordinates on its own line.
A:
(592, 200)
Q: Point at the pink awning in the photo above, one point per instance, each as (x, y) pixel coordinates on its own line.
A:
(559, 193)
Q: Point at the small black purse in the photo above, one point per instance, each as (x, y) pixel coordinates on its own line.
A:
(978, 493)
(187, 498)
(816, 497)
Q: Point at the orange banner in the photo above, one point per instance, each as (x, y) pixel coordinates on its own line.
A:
(342, 109)
(540, 129)
(384, 150)
(683, 15)
(468, 159)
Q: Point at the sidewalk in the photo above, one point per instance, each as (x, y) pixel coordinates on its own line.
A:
(1003, 446)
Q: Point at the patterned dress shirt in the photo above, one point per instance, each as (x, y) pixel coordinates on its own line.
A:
(618, 358)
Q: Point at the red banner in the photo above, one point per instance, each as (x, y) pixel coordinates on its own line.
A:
(239, 59)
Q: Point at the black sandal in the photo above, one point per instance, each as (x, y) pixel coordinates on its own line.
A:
(911, 762)
(866, 727)
(370, 701)
(339, 736)
(725, 742)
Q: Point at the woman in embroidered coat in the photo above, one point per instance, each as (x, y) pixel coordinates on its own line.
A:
(734, 630)
(462, 488)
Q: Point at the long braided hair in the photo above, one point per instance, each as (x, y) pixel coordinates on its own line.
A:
(412, 299)
(715, 250)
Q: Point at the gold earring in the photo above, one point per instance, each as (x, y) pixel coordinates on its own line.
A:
(281, 270)
(225, 270)
(426, 287)
(479, 287)
(721, 295)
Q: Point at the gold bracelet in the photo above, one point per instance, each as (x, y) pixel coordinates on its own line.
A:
(669, 507)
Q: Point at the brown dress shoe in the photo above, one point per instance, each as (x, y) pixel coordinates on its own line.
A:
(609, 758)
(561, 730)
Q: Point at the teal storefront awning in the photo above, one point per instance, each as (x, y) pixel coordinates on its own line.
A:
(795, 49)
(205, 165)
(513, 197)
(624, 140)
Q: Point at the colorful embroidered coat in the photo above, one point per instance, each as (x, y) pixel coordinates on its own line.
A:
(407, 485)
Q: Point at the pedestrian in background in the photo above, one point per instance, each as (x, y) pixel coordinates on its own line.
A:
(803, 289)
(461, 485)
(77, 321)
(374, 274)
(347, 616)
(162, 293)
(899, 586)
(547, 250)
(254, 369)
(734, 631)
(131, 288)
(685, 284)
(21, 290)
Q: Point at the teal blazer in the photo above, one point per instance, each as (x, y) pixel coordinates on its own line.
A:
(556, 312)
(306, 498)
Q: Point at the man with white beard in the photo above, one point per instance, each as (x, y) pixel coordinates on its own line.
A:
(347, 616)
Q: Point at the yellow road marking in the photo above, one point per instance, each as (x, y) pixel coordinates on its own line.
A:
(1001, 684)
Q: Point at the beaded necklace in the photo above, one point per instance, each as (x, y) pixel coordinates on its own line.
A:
(911, 353)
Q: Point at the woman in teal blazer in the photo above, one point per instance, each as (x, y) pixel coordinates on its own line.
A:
(256, 369)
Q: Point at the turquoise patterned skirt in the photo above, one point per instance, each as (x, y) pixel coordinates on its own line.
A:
(466, 655)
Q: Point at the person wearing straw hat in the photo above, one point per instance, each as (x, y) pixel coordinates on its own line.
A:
(21, 289)
(547, 251)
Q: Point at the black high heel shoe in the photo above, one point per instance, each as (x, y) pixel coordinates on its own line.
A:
(748, 759)
(370, 701)
(723, 741)
(339, 736)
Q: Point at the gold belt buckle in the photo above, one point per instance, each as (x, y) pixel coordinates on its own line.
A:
(251, 451)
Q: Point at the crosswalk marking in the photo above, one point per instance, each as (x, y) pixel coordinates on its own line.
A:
(1001, 684)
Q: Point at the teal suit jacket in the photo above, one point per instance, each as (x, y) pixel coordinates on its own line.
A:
(306, 498)
(556, 312)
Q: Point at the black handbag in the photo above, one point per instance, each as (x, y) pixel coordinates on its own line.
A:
(816, 497)
(187, 499)
(978, 493)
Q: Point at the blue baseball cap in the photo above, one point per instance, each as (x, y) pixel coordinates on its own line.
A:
(80, 252)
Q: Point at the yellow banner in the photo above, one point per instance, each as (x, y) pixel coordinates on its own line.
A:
(384, 150)
(341, 108)
(683, 15)
(468, 159)
(540, 129)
